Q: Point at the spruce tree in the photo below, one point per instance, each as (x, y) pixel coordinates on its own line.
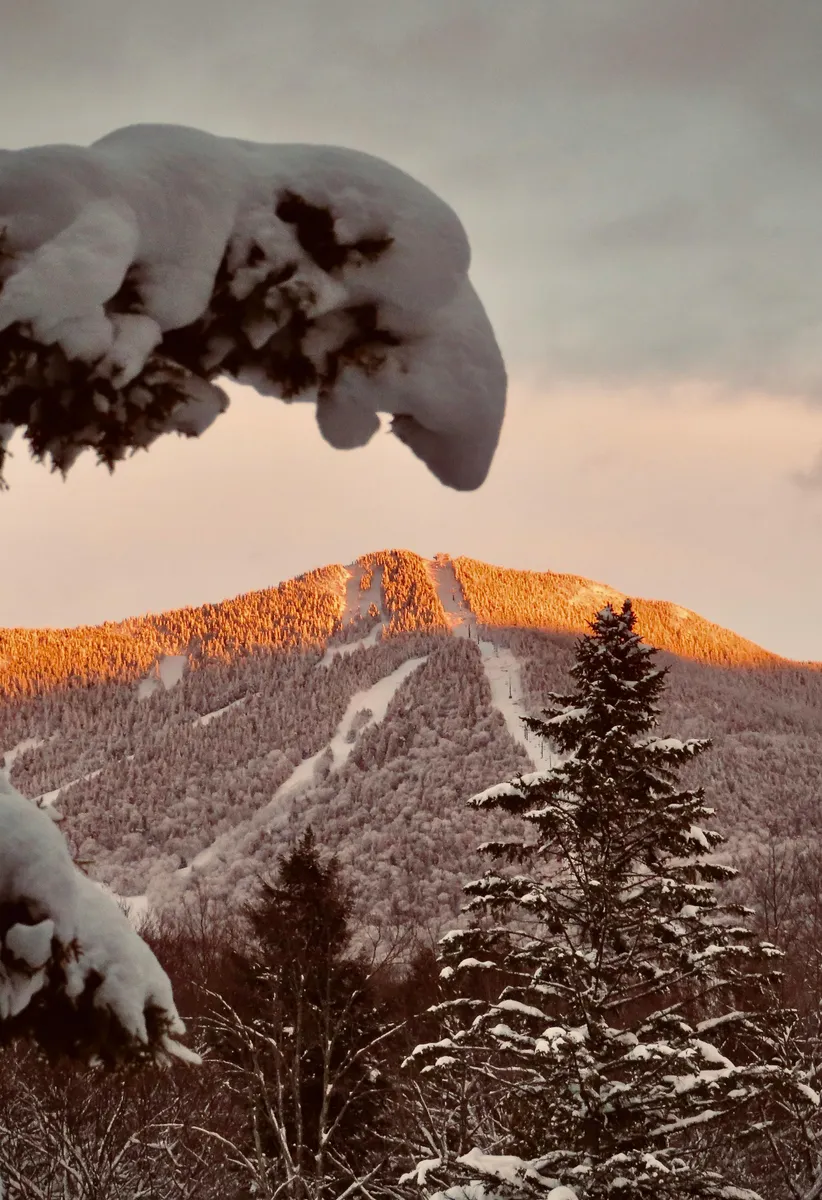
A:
(308, 1045)
(629, 1042)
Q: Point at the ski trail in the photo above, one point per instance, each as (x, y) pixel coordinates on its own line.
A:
(376, 698)
(7, 759)
(49, 799)
(358, 600)
(208, 717)
(452, 598)
(349, 647)
(502, 668)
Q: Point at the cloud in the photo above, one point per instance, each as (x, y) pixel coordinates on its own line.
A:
(642, 182)
(810, 478)
(642, 186)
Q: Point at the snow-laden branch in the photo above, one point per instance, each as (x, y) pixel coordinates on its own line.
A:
(136, 272)
(74, 974)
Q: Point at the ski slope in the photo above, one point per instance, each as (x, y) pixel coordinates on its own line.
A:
(166, 673)
(502, 669)
(376, 698)
(358, 601)
(7, 759)
(208, 717)
(364, 643)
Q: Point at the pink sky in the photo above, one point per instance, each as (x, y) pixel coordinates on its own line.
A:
(644, 200)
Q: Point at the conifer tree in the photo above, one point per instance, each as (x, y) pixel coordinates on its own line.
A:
(629, 1040)
(307, 1048)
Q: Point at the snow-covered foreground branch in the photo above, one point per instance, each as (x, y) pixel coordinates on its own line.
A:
(74, 975)
(137, 271)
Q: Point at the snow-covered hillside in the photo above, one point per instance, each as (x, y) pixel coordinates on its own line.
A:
(368, 699)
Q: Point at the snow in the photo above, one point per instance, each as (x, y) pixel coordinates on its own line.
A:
(508, 1168)
(809, 1094)
(700, 1118)
(502, 669)
(31, 944)
(35, 864)
(527, 1010)
(567, 714)
(518, 786)
(697, 834)
(502, 1166)
(693, 745)
(314, 272)
(208, 717)
(712, 1055)
(63, 906)
(364, 643)
(723, 1019)
(497, 791)
(132, 979)
(420, 1172)
(376, 698)
(166, 673)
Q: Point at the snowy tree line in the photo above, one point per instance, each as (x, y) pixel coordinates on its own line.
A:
(300, 612)
(500, 597)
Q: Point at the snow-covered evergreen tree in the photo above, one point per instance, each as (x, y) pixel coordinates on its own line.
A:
(628, 1041)
(307, 1053)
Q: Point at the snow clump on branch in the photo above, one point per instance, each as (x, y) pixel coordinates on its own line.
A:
(74, 974)
(136, 272)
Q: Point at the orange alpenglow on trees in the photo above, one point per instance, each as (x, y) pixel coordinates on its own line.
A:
(500, 596)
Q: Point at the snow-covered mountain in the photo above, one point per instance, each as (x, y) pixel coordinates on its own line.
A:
(186, 749)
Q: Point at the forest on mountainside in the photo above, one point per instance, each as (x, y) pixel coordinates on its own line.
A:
(507, 598)
(300, 613)
(151, 781)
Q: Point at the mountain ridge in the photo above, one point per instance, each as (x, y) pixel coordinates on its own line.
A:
(368, 702)
(308, 610)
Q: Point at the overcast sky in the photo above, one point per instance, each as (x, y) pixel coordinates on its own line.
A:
(642, 186)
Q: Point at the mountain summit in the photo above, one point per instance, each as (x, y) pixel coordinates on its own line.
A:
(395, 589)
(187, 750)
